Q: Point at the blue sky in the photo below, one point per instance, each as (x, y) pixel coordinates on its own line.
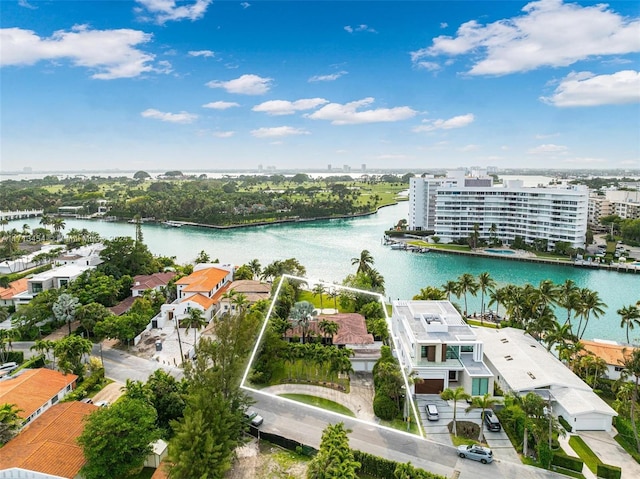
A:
(160, 84)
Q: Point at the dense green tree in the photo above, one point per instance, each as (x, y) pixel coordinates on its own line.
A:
(334, 459)
(10, 422)
(430, 293)
(116, 440)
(70, 351)
(631, 370)
(64, 309)
(125, 256)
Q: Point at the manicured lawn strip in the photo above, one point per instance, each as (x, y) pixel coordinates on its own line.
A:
(585, 453)
(459, 441)
(541, 254)
(400, 425)
(628, 446)
(444, 247)
(327, 301)
(320, 402)
(567, 472)
(485, 324)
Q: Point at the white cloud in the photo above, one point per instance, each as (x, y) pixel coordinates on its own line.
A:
(182, 117)
(330, 77)
(245, 5)
(284, 107)
(548, 148)
(587, 89)
(220, 105)
(544, 137)
(443, 25)
(25, 4)
(244, 85)
(278, 131)
(164, 10)
(548, 33)
(348, 113)
(455, 122)
(469, 148)
(201, 53)
(431, 66)
(110, 53)
(359, 28)
(164, 66)
(223, 134)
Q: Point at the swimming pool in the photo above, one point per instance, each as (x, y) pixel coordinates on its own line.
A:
(500, 251)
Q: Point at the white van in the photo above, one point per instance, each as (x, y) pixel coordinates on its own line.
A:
(432, 412)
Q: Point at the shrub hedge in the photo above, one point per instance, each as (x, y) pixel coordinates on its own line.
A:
(609, 472)
(384, 407)
(567, 462)
(385, 469)
(14, 357)
(565, 424)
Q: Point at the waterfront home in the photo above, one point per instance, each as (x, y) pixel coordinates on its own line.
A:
(52, 279)
(522, 365)
(433, 343)
(48, 448)
(612, 352)
(35, 390)
(253, 292)
(28, 261)
(88, 255)
(155, 281)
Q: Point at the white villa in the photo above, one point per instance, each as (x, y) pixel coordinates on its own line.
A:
(435, 344)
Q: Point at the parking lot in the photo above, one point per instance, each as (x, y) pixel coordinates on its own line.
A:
(438, 431)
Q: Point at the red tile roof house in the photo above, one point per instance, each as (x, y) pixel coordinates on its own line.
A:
(47, 448)
(155, 281)
(14, 288)
(352, 333)
(36, 390)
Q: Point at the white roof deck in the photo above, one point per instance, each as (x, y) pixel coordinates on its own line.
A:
(434, 321)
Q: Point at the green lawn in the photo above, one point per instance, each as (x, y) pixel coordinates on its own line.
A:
(585, 453)
(444, 247)
(146, 473)
(320, 402)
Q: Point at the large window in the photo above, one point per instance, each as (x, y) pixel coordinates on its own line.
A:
(453, 352)
(479, 386)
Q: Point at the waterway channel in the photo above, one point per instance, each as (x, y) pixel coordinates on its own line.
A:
(326, 248)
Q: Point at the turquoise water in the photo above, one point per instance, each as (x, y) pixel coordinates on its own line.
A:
(500, 251)
(326, 248)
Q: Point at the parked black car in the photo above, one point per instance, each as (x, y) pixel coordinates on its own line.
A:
(491, 421)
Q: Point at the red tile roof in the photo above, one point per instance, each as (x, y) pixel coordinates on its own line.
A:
(15, 287)
(204, 280)
(352, 329)
(123, 306)
(611, 353)
(48, 445)
(144, 282)
(30, 389)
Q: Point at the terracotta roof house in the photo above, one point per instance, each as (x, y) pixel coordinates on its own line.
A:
(123, 306)
(612, 352)
(155, 281)
(14, 288)
(35, 390)
(253, 291)
(47, 448)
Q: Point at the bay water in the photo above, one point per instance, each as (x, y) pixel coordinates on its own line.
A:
(326, 249)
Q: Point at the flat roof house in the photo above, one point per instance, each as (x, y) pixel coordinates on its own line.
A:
(434, 343)
(521, 365)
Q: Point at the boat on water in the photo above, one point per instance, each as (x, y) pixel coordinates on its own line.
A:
(172, 224)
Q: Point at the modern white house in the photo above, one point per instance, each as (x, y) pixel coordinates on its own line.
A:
(521, 365)
(52, 279)
(434, 344)
(454, 206)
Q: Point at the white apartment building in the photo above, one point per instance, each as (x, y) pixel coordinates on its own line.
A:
(453, 206)
(625, 204)
(435, 344)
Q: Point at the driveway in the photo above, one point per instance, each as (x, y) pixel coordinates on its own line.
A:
(610, 452)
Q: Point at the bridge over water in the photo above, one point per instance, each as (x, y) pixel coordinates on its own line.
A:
(14, 215)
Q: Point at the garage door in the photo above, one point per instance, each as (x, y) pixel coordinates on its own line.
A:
(592, 423)
(430, 386)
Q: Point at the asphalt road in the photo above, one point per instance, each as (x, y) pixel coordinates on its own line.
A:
(305, 424)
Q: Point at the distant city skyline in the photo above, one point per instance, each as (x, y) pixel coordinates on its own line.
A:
(201, 85)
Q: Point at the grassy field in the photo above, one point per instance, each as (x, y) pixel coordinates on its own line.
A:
(320, 402)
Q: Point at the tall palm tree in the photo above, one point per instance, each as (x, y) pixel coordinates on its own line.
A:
(482, 402)
(364, 262)
(195, 320)
(630, 317)
(467, 284)
(590, 304)
(319, 290)
(301, 314)
(58, 225)
(333, 293)
(255, 267)
(568, 297)
(497, 296)
(485, 283)
(558, 334)
(328, 328)
(4, 222)
(451, 287)
(455, 395)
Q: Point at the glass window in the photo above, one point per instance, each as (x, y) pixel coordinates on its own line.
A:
(453, 352)
(479, 386)
(466, 349)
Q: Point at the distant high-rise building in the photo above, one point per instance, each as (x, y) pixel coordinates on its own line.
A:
(364, 167)
(259, 168)
(329, 167)
(346, 168)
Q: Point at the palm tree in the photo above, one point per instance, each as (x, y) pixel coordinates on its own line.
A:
(333, 293)
(546, 294)
(497, 296)
(568, 297)
(482, 402)
(451, 287)
(58, 225)
(4, 222)
(430, 293)
(195, 320)
(485, 283)
(590, 303)
(255, 267)
(467, 284)
(558, 335)
(301, 314)
(364, 262)
(10, 422)
(319, 289)
(455, 395)
(328, 328)
(630, 317)
(631, 368)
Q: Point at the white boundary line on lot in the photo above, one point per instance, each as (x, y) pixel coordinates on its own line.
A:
(380, 298)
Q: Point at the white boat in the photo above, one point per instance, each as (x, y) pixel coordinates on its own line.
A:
(173, 224)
